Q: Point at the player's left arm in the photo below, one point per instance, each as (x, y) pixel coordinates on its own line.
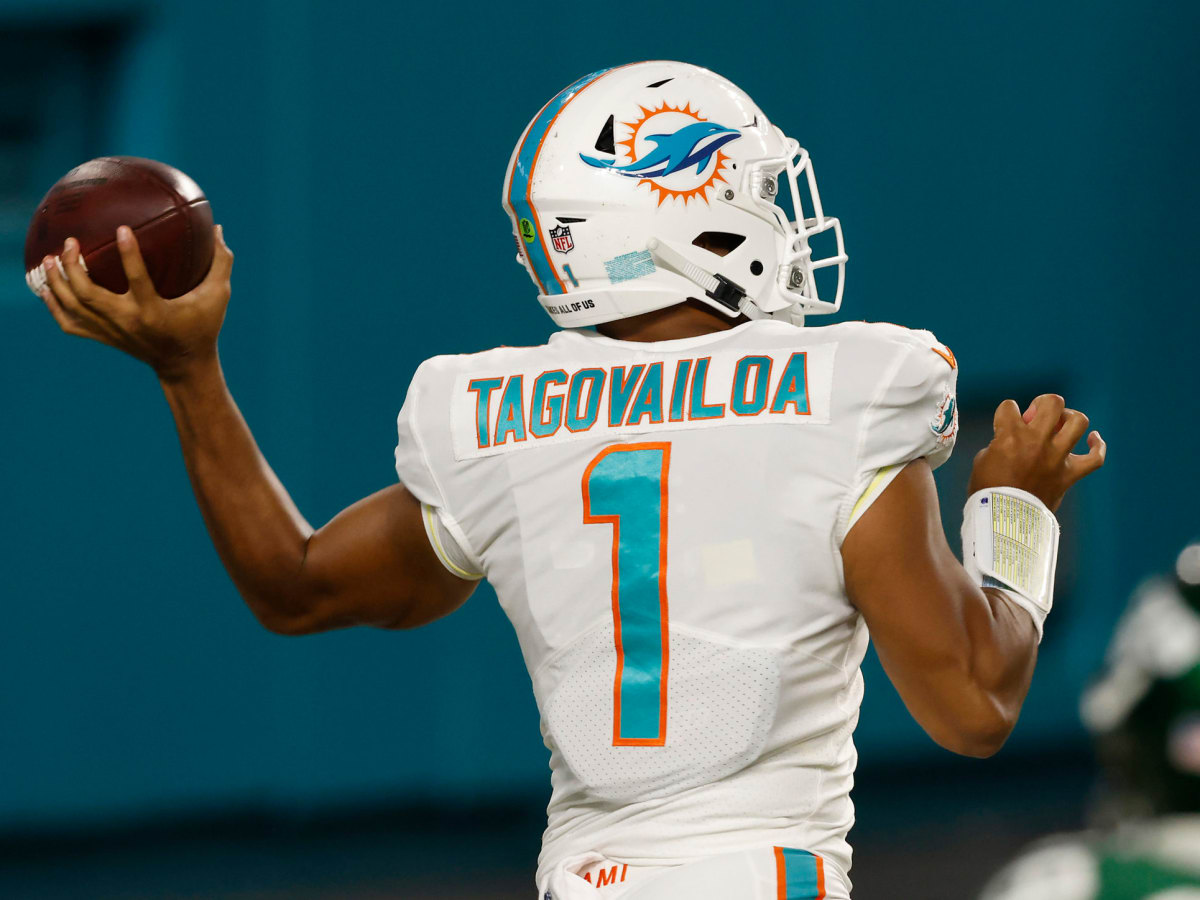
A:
(961, 655)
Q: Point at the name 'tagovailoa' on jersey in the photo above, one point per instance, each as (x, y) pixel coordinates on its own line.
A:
(662, 524)
(621, 399)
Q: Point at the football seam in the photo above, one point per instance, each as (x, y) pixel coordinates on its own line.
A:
(134, 228)
(176, 199)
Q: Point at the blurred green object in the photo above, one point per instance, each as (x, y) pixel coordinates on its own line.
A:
(1148, 861)
(1144, 713)
(1144, 710)
(1187, 574)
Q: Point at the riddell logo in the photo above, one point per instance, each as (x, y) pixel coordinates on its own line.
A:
(613, 874)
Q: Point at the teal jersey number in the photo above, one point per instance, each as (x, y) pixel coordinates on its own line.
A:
(625, 486)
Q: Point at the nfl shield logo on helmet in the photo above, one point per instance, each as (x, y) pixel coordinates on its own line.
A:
(560, 235)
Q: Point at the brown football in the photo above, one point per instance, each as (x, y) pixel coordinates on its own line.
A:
(166, 210)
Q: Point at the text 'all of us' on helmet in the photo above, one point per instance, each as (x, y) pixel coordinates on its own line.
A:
(624, 180)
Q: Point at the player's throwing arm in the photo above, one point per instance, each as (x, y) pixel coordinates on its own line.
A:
(371, 565)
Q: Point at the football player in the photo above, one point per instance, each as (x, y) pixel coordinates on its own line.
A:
(692, 508)
(1144, 712)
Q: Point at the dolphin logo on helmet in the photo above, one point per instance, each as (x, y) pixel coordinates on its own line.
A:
(674, 152)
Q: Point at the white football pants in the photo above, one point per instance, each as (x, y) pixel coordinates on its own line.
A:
(767, 873)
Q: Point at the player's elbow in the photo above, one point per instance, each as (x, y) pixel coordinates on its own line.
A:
(291, 611)
(978, 732)
(978, 744)
(286, 621)
(289, 626)
(301, 612)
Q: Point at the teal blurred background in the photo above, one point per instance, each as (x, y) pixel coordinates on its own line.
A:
(1019, 178)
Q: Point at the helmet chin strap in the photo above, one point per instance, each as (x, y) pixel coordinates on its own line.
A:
(730, 298)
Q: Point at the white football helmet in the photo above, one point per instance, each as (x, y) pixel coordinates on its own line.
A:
(618, 175)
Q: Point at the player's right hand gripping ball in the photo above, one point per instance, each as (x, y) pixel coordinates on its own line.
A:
(166, 210)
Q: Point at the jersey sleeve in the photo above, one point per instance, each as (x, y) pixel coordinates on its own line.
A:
(914, 414)
(416, 472)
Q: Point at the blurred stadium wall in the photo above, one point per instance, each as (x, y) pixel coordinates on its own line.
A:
(1019, 178)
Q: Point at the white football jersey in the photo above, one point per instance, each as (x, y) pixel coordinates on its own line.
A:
(662, 523)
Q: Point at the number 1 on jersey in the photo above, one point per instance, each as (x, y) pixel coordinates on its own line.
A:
(625, 486)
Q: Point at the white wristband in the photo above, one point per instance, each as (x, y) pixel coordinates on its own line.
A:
(1010, 541)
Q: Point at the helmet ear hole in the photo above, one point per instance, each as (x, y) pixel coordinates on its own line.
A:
(605, 142)
(721, 243)
(756, 268)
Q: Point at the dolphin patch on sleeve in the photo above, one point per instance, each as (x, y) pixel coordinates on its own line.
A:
(945, 422)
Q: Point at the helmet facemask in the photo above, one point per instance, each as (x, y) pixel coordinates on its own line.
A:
(796, 289)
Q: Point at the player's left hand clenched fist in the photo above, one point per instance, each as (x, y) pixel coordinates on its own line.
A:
(167, 335)
(1032, 451)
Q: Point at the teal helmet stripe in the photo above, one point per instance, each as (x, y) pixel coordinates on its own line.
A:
(535, 250)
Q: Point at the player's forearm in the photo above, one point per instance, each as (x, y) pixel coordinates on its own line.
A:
(974, 656)
(257, 530)
(960, 655)
(964, 667)
(999, 659)
(1005, 653)
(976, 665)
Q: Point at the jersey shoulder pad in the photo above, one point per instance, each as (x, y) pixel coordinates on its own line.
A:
(423, 427)
(422, 438)
(914, 411)
(883, 334)
(417, 429)
(450, 364)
